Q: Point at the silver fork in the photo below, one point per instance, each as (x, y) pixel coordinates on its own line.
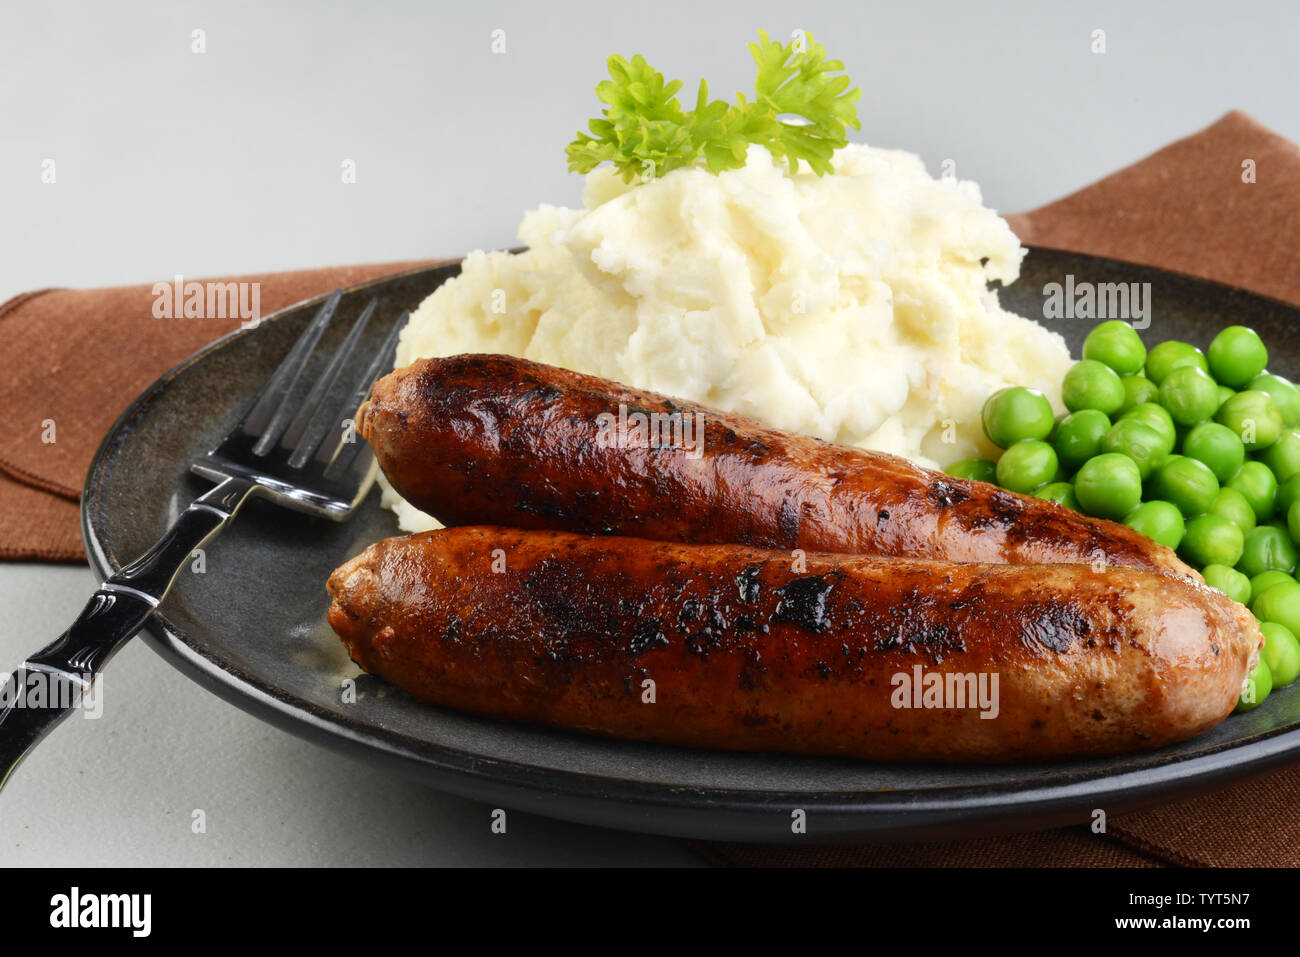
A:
(293, 445)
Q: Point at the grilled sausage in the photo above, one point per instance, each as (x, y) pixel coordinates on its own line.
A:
(838, 656)
(483, 439)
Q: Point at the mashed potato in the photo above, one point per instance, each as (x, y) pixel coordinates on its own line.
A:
(853, 307)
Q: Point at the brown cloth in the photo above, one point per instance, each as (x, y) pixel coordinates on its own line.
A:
(1189, 208)
(76, 359)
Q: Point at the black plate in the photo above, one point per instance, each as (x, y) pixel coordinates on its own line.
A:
(252, 628)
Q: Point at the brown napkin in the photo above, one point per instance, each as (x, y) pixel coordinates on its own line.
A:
(76, 360)
(84, 355)
(1189, 208)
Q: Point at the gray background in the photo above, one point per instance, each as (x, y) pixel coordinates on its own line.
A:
(171, 162)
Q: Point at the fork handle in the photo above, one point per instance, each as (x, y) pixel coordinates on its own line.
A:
(51, 683)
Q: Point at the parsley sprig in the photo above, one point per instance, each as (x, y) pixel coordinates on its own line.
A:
(644, 131)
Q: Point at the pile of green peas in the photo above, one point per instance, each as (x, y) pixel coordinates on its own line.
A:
(1198, 450)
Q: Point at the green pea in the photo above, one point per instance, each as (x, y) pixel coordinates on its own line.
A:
(1218, 447)
(1287, 493)
(1062, 493)
(1225, 394)
(1254, 416)
(1293, 521)
(1211, 540)
(1186, 483)
(1078, 436)
(1156, 416)
(1284, 394)
(1017, 413)
(1266, 548)
(1116, 344)
(1137, 389)
(1108, 485)
(1171, 355)
(1026, 465)
(1282, 652)
(1092, 385)
(1258, 686)
(1232, 505)
(1279, 603)
(1283, 456)
(1143, 444)
(981, 470)
(1158, 520)
(1258, 484)
(1190, 395)
(1266, 580)
(1236, 355)
(1229, 581)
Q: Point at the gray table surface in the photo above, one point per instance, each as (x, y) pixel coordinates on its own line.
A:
(173, 162)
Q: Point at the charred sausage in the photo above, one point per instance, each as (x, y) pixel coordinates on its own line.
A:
(484, 439)
(728, 646)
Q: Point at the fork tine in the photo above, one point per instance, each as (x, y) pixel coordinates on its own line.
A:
(309, 428)
(311, 482)
(270, 405)
(340, 455)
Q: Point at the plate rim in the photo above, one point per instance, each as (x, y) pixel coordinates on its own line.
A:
(677, 810)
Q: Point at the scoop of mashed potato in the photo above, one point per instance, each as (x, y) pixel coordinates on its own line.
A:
(853, 307)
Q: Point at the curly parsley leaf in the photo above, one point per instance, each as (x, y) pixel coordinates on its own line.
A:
(643, 130)
(805, 84)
